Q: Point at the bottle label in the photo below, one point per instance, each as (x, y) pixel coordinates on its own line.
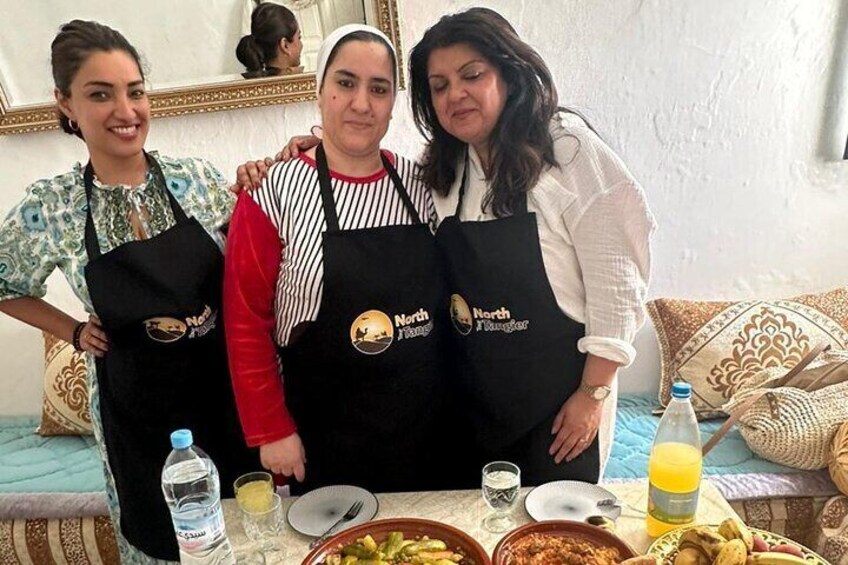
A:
(672, 507)
(194, 534)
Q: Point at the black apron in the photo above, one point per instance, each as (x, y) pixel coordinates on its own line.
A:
(516, 351)
(364, 381)
(159, 300)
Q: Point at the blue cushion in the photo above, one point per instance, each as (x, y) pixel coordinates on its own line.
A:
(31, 463)
(635, 427)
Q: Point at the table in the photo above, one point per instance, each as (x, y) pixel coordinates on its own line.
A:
(465, 509)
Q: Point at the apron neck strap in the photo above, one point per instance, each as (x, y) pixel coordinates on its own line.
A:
(521, 205)
(92, 246)
(326, 187)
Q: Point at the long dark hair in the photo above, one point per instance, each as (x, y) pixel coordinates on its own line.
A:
(521, 145)
(269, 23)
(76, 41)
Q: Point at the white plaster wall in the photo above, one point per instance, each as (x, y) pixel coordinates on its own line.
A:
(730, 114)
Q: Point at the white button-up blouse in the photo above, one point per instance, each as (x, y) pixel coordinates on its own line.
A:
(595, 230)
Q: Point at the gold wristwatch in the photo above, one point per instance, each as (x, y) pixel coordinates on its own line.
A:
(596, 392)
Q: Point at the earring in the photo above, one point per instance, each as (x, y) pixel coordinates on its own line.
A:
(73, 125)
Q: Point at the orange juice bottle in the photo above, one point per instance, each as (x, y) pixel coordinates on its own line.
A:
(674, 469)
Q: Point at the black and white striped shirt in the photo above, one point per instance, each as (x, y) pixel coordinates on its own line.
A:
(290, 197)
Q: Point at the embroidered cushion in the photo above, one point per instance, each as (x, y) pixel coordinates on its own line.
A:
(65, 408)
(717, 346)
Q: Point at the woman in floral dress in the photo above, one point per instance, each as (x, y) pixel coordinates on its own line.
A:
(137, 236)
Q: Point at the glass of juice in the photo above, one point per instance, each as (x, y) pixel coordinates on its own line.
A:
(254, 491)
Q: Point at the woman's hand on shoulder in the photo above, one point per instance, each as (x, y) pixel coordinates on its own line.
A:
(300, 143)
(250, 175)
(285, 457)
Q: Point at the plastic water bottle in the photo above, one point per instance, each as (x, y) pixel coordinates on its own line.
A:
(674, 471)
(193, 493)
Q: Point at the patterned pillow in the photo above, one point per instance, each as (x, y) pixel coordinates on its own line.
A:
(715, 346)
(65, 404)
(830, 534)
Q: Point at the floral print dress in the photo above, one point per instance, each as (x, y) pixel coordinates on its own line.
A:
(46, 230)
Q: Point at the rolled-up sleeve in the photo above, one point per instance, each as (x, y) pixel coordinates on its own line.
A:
(253, 254)
(612, 243)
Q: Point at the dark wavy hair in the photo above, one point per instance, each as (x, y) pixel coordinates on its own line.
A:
(76, 41)
(521, 145)
(269, 23)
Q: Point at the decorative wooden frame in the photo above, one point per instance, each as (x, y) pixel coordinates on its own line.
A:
(209, 97)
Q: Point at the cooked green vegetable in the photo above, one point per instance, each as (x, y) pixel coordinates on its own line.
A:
(394, 543)
(395, 550)
(425, 545)
(369, 543)
(359, 550)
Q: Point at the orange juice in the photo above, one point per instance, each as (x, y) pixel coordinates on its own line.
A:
(255, 496)
(674, 476)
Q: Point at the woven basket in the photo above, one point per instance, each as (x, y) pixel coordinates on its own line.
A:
(790, 425)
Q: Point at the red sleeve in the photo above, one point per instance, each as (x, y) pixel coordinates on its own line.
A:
(253, 254)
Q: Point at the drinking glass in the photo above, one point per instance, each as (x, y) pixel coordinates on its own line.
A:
(501, 483)
(263, 526)
(253, 491)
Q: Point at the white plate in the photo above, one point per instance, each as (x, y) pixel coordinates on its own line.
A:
(569, 500)
(313, 513)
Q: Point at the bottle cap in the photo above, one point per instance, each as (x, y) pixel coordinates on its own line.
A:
(180, 439)
(681, 390)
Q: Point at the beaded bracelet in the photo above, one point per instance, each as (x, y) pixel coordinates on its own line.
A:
(75, 341)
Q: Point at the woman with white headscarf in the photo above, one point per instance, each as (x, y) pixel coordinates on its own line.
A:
(331, 279)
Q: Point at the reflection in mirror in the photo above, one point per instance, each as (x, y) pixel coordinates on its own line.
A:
(188, 48)
(282, 36)
(183, 43)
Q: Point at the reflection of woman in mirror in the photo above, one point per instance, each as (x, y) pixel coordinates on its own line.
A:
(137, 237)
(331, 265)
(274, 44)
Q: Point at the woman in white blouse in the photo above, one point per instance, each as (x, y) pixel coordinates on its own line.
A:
(546, 238)
(547, 243)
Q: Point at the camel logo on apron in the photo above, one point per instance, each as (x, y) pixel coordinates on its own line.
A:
(164, 330)
(460, 314)
(373, 331)
(466, 319)
(168, 330)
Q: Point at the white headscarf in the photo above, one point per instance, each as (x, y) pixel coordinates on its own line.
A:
(337, 35)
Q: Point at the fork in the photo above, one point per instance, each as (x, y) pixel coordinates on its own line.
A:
(608, 502)
(351, 513)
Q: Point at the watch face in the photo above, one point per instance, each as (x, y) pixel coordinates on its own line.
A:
(600, 393)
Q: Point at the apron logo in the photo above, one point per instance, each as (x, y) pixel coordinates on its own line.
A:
(202, 324)
(372, 332)
(460, 314)
(465, 319)
(169, 330)
(164, 330)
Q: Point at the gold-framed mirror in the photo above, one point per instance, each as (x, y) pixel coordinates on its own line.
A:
(181, 81)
